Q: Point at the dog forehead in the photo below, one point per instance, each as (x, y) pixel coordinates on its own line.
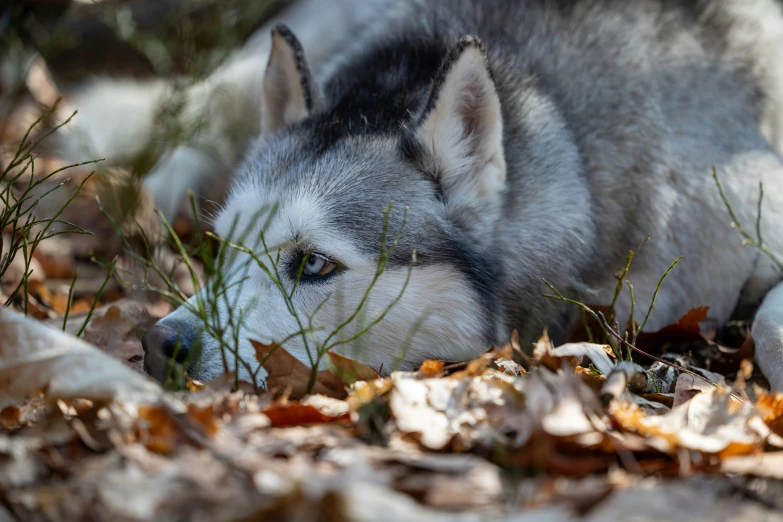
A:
(336, 199)
(295, 218)
(351, 182)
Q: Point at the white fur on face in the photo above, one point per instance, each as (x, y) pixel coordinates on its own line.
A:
(438, 315)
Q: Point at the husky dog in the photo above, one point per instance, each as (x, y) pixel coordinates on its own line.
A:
(528, 140)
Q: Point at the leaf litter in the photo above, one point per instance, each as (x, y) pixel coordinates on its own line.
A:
(568, 433)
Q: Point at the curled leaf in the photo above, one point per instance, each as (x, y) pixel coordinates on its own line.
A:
(35, 357)
(289, 376)
(348, 370)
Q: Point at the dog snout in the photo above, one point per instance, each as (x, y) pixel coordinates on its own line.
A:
(164, 343)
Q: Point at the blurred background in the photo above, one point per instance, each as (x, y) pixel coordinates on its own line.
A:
(94, 215)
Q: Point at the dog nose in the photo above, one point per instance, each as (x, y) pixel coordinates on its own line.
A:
(168, 341)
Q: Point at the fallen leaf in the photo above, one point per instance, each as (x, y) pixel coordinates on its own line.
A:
(685, 330)
(9, 417)
(479, 366)
(348, 370)
(622, 377)
(35, 357)
(56, 257)
(205, 417)
(117, 328)
(289, 376)
(771, 407)
(576, 352)
(712, 422)
(430, 369)
(544, 353)
(687, 386)
(768, 465)
(157, 430)
(315, 409)
(510, 367)
(418, 407)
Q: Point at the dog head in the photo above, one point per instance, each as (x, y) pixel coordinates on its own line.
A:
(325, 262)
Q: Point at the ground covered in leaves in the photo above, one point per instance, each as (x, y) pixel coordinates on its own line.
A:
(568, 434)
(549, 434)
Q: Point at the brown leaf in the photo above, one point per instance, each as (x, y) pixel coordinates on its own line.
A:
(157, 430)
(543, 352)
(9, 417)
(711, 422)
(289, 376)
(510, 367)
(480, 365)
(316, 409)
(349, 370)
(430, 369)
(117, 328)
(771, 407)
(746, 351)
(686, 330)
(56, 257)
(205, 417)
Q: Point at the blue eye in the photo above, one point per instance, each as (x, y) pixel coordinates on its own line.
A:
(318, 265)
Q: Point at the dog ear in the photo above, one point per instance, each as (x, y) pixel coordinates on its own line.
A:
(289, 91)
(460, 131)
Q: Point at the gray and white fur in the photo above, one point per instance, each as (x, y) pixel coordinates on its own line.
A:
(530, 140)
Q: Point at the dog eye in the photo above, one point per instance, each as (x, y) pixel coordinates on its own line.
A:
(318, 265)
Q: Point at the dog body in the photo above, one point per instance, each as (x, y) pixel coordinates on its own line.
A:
(546, 145)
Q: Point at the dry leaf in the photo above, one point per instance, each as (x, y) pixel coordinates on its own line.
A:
(768, 465)
(625, 375)
(56, 257)
(543, 352)
(430, 369)
(685, 330)
(771, 407)
(597, 353)
(205, 417)
(687, 387)
(290, 376)
(510, 367)
(117, 328)
(35, 357)
(712, 422)
(314, 409)
(157, 430)
(420, 407)
(348, 370)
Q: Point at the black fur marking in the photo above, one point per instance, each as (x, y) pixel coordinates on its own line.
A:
(485, 278)
(379, 91)
(410, 149)
(464, 43)
(305, 78)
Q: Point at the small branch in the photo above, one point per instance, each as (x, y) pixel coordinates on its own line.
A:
(748, 239)
(655, 294)
(617, 336)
